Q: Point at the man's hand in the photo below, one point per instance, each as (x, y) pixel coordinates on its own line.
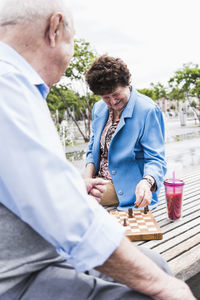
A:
(130, 266)
(96, 187)
(174, 289)
(143, 194)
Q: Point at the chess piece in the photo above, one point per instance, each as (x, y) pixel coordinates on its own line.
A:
(146, 209)
(130, 213)
(146, 229)
(136, 206)
(125, 223)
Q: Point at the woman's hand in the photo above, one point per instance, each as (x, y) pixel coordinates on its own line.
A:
(143, 193)
(96, 187)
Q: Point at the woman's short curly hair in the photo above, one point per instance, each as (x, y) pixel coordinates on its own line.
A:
(106, 74)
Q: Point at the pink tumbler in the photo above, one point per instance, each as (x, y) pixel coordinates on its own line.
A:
(173, 194)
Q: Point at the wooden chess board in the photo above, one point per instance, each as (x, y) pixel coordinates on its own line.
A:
(141, 226)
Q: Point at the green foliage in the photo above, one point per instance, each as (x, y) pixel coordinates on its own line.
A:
(81, 61)
(55, 104)
(148, 92)
(186, 84)
(77, 107)
(193, 104)
(187, 80)
(72, 95)
(176, 94)
(159, 91)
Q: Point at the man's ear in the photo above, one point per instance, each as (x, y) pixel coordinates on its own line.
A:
(54, 27)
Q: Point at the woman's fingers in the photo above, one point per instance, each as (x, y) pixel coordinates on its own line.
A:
(143, 194)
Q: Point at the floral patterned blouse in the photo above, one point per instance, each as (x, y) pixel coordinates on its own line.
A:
(105, 141)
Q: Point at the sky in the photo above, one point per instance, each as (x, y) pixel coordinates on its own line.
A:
(153, 37)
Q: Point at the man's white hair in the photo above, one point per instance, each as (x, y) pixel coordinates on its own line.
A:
(26, 11)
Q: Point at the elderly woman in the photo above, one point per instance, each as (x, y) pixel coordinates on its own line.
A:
(127, 145)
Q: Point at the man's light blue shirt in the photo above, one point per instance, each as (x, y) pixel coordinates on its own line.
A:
(36, 182)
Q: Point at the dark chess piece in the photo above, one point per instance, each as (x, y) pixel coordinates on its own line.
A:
(125, 222)
(130, 213)
(146, 209)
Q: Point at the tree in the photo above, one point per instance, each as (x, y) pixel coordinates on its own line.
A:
(188, 80)
(55, 105)
(74, 104)
(176, 94)
(159, 91)
(186, 83)
(72, 90)
(83, 57)
(148, 92)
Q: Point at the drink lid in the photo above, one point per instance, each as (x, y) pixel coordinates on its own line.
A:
(172, 182)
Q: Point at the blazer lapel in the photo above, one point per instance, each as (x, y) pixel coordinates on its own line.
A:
(127, 112)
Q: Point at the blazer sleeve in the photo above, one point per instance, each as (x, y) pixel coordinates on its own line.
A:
(153, 143)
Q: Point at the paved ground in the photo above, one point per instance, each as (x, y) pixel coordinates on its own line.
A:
(175, 132)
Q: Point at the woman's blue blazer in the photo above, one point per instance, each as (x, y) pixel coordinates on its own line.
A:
(137, 147)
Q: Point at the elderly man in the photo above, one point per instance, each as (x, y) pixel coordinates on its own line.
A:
(52, 232)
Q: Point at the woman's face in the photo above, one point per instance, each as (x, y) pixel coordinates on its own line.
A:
(118, 99)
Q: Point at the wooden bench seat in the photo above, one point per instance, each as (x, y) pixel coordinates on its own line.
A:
(180, 245)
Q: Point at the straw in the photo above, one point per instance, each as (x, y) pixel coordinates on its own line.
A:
(173, 181)
(173, 176)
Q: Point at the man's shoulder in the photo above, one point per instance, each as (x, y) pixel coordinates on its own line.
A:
(10, 75)
(7, 69)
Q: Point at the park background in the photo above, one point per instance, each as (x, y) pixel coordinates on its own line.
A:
(159, 41)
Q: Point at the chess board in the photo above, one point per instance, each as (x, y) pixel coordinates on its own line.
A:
(141, 227)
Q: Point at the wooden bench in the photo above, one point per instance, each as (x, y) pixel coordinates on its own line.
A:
(180, 245)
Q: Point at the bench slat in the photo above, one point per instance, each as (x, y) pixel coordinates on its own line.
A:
(186, 265)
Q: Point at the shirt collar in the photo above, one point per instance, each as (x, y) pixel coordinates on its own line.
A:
(12, 57)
